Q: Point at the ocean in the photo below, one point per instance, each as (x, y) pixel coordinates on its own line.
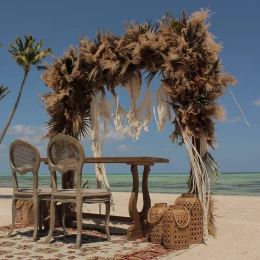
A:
(243, 183)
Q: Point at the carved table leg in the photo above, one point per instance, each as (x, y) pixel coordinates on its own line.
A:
(146, 195)
(146, 203)
(135, 228)
(140, 227)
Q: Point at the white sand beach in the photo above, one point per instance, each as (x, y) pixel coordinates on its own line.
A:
(238, 224)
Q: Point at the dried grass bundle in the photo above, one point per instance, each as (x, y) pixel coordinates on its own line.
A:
(212, 230)
(182, 50)
(69, 102)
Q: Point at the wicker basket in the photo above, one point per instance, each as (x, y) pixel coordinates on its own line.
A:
(176, 221)
(24, 212)
(193, 205)
(155, 215)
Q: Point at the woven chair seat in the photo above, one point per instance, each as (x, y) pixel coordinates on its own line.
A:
(44, 190)
(96, 193)
(92, 194)
(29, 191)
(23, 193)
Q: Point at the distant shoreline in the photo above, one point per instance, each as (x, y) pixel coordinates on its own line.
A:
(152, 173)
(237, 184)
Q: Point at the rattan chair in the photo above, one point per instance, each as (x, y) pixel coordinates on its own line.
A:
(65, 153)
(25, 158)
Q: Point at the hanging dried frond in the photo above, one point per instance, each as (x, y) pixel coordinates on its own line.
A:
(212, 230)
(212, 167)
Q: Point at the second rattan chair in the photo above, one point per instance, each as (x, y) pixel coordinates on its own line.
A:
(24, 158)
(65, 153)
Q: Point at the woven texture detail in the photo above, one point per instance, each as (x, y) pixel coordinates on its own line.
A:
(23, 157)
(24, 212)
(193, 205)
(176, 232)
(64, 153)
(155, 214)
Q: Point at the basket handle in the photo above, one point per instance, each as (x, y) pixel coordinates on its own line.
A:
(188, 221)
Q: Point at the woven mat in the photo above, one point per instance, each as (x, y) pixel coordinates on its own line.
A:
(94, 246)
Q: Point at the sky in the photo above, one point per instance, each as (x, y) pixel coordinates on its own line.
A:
(60, 24)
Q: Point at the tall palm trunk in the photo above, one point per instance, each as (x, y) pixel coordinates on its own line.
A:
(15, 106)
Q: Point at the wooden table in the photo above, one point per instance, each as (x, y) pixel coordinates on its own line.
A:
(140, 227)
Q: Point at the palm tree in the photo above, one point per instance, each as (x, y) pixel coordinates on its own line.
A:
(28, 56)
(3, 92)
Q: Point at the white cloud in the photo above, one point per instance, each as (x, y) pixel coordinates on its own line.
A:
(2, 146)
(168, 149)
(123, 148)
(30, 131)
(233, 120)
(31, 134)
(113, 135)
(257, 103)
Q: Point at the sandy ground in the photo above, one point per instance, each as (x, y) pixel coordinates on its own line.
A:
(238, 223)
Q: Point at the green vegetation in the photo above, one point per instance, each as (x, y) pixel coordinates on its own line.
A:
(28, 56)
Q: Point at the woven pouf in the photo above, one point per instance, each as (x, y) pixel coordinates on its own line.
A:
(19, 205)
(192, 204)
(24, 212)
(176, 221)
(155, 215)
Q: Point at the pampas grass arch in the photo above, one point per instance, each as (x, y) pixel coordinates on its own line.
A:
(182, 51)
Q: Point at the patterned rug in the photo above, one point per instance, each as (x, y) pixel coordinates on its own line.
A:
(94, 246)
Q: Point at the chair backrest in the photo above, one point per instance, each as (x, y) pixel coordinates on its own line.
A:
(65, 153)
(24, 158)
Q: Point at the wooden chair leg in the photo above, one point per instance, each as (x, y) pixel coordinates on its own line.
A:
(107, 221)
(79, 224)
(13, 217)
(64, 210)
(52, 221)
(36, 218)
(40, 214)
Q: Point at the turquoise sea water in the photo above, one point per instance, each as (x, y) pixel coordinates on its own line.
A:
(229, 183)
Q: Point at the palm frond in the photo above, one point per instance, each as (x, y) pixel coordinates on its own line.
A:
(26, 54)
(3, 92)
(41, 67)
(19, 43)
(150, 76)
(212, 167)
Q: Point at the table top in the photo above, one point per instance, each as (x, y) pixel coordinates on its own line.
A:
(128, 160)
